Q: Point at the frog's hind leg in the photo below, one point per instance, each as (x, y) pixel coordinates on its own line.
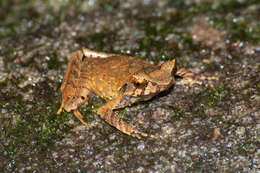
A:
(189, 78)
(106, 113)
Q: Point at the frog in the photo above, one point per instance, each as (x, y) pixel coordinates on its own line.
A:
(121, 80)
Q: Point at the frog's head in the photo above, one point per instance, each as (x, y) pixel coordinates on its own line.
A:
(70, 101)
(73, 96)
(157, 80)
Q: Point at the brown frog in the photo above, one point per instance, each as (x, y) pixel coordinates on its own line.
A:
(121, 80)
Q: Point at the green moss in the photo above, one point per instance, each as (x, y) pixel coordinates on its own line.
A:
(240, 28)
(7, 30)
(122, 113)
(87, 112)
(53, 62)
(108, 5)
(214, 96)
(41, 128)
(209, 99)
(179, 4)
(4, 83)
(38, 127)
(178, 112)
(219, 117)
(229, 5)
(13, 14)
(247, 147)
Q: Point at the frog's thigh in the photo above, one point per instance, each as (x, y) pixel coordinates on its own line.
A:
(106, 113)
(190, 78)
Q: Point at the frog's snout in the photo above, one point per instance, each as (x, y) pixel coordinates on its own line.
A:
(66, 106)
(60, 109)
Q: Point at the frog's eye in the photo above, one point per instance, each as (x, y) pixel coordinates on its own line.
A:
(138, 84)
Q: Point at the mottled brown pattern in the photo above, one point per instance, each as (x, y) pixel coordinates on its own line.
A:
(121, 80)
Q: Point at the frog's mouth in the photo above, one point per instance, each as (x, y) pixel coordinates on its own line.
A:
(69, 103)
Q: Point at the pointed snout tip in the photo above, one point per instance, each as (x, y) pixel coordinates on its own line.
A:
(60, 110)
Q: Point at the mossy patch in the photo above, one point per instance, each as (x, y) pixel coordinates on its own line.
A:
(53, 62)
(178, 112)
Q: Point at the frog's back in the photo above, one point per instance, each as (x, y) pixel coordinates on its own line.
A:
(105, 76)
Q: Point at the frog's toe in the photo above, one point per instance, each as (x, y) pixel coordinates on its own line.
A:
(136, 133)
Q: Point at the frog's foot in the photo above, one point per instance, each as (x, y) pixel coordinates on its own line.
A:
(189, 78)
(109, 116)
(79, 116)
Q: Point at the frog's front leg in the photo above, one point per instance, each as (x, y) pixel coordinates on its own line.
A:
(106, 113)
(189, 78)
(80, 117)
(77, 101)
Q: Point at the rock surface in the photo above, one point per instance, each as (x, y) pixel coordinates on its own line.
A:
(199, 129)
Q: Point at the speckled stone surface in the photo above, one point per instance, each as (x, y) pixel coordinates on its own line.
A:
(199, 129)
